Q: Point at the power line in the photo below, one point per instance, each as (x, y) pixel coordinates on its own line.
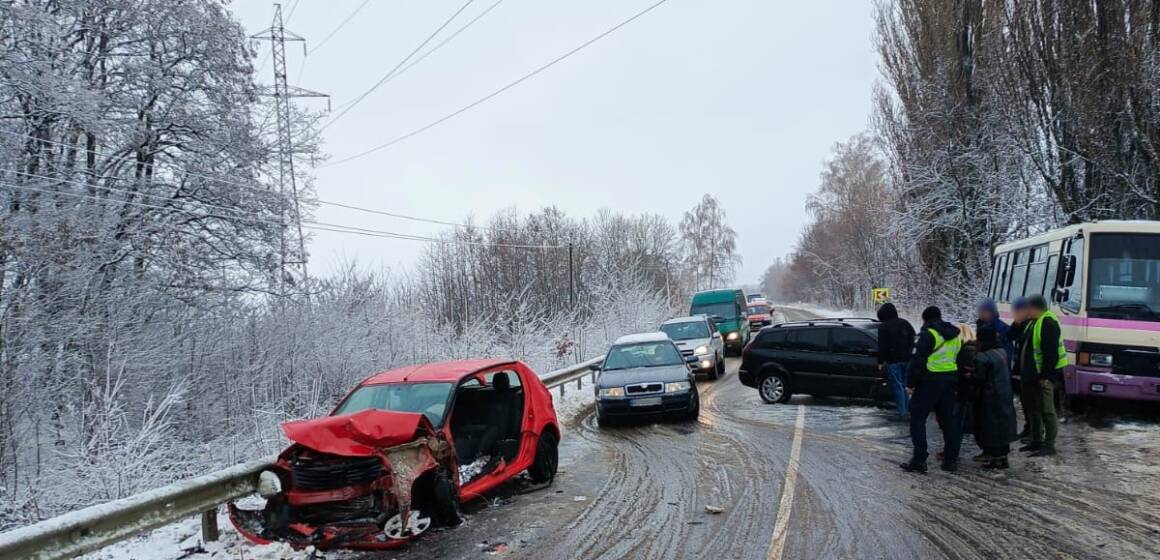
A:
(438, 46)
(225, 181)
(497, 92)
(339, 28)
(322, 226)
(397, 67)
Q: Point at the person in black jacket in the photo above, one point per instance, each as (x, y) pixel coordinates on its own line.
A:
(1017, 334)
(895, 346)
(931, 381)
(1040, 365)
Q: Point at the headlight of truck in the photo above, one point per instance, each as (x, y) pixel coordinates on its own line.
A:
(611, 393)
(269, 484)
(1100, 360)
(701, 350)
(732, 336)
(677, 387)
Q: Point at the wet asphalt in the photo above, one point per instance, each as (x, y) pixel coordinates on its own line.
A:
(641, 491)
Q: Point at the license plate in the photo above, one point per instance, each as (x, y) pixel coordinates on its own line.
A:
(1098, 388)
(651, 401)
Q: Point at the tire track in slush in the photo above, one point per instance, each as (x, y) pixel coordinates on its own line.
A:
(662, 477)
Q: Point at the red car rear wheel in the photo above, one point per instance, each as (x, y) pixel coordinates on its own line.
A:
(547, 459)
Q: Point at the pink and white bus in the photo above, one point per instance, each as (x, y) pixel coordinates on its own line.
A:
(1103, 281)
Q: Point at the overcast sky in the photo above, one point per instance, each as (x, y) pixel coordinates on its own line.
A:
(739, 98)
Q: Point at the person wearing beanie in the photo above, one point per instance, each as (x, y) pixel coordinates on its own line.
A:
(931, 380)
(895, 346)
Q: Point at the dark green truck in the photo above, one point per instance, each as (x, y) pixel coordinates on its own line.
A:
(727, 308)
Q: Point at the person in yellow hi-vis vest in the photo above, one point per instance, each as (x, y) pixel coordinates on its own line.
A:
(1042, 361)
(931, 381)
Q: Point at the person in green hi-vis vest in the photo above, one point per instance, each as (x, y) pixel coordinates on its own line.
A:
(1041, 364)
(931, 381)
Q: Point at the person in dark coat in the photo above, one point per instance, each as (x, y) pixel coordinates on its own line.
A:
(994, 400)
(932, 380)
(895, 346)
(1017, 335)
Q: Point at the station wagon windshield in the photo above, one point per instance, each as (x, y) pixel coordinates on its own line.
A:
(1125, 276)
(427, 398)
(649, 354)
(687, 330)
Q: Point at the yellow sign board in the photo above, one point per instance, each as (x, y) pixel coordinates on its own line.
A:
(880, 295)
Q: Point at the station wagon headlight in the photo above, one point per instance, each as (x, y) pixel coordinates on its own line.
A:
(1100, 360)
(677, 387)
(732, 336)
(701, 350)
(611, 393)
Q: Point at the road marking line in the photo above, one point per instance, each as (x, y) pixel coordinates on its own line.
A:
(781, 527)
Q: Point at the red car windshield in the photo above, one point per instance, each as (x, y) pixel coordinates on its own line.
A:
(758, 309)
(427, 398)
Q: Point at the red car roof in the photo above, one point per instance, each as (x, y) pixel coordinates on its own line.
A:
(437, 371)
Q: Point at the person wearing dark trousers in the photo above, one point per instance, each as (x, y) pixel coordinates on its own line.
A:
(931, 381)
(895, 346)
(995, 403)
(1017, 335)
(1041, 365)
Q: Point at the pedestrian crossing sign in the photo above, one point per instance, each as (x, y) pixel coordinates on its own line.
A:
(880, 295)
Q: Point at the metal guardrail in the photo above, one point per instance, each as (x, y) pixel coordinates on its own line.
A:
(96, 527)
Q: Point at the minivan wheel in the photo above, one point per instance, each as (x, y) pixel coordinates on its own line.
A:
(773, 389)
(720, 367)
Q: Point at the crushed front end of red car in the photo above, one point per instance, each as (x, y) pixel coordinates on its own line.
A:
(369, 480)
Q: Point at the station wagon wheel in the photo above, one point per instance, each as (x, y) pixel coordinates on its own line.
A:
(773, 389)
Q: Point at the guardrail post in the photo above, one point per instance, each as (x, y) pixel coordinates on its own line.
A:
(579, 383)
(562, 390)
(209, 526)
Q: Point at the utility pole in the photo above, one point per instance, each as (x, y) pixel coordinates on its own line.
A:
(571, 280)
(287, 183)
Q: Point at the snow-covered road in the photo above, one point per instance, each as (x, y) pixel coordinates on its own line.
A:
(640, 491)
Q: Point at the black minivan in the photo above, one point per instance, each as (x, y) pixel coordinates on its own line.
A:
(820, 357)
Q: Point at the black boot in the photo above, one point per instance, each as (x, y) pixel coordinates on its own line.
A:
(1032, 447)
(914, 466)
(950, 466)
(997, 463)
(1044, 451)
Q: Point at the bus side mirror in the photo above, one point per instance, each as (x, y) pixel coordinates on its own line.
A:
(1060, 295)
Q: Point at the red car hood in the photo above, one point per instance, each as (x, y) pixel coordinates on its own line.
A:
(359, 434)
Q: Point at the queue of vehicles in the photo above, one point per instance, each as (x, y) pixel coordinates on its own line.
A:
(401, 452)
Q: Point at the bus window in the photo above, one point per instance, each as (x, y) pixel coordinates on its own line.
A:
(994, 273)
(1036, 272)
(1052, 275)
(1001, 278)
(1018, 275)
(1073, 276)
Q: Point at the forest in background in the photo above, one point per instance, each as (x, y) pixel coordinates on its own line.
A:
(994, 120)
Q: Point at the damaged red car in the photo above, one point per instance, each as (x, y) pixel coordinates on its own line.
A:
(401, 452)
